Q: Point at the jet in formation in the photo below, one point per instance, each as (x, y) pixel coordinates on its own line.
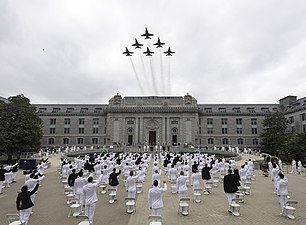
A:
(169, 52)
(147, 35)
(137, 45)
(148, 52)
(159, 44)
(127, 52)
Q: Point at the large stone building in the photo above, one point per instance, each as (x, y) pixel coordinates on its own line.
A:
(167, 121)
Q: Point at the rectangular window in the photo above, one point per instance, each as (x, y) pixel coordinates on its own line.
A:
(51, 141)
(237, 110)
(225, 141)
(81, 130)
(210, 141)
(200, 121)
(210, 130)
(200, 130)
(95, 130)
(80, 141)
(304, 127)
(291, 120)
(303, 117)
(251, 110)
(104, 130)
(94, 141)
(52, 121)
(208, 110)
(253, 121)
(81, 121)
(239, 121)
(52, 130)
(66, 130)
(222, 109)
(97, 110)
(254, 130)
(67, 121)
(41, 110)
(95, 121)
(239, 130)
(224, 130)
(224, 121)
(266, 110)
(255, 141)
(209, 121)
(69, 110)
(240, 141)
(66, 141)
(55, 110)
(83, 110)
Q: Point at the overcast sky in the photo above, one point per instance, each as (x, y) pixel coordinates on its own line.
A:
(70, 51)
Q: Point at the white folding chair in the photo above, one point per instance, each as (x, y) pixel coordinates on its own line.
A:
(290, 208)
(138, 187)
(155, 220)
(184, 206)
(112, 196)
(14, 219)
(84, 218)
(173, 188)
(197, 195)
(130, 205)
(103, 188)
(235, 207)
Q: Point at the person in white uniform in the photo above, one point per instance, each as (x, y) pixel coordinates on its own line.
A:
(155, 200)
(181, 185)
(282, 191)
(90, 197)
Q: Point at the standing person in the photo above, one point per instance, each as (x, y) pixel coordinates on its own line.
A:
(90, 197)
(206, 174)
(155, 200)
(72, 177)
(131, 184)
(230, 186)
(24, 203)
(282, 191)
(274, 176)
(293, 166)
(300, 166)
(181, 185)
(14, 170)
(2, 178)
(113, 179)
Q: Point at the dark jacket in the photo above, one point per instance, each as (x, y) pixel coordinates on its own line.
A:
(24, 199)
(205, 173)
(2, 176)
(231, 183)
(72, 178)
(113, 178)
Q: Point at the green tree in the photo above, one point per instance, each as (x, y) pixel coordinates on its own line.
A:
(295, 147)
(274, 135)
(20, 126)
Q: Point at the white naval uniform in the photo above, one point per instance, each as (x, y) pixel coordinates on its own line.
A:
(282, 192)
(90, 198)
(181, 186)
(155, 200)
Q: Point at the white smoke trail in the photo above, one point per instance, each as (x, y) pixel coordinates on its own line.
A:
(137, 78)
(162, 73)
(147, 82)
(169, 76)
(153, 77)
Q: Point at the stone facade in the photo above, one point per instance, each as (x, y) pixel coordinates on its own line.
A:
(166, 121)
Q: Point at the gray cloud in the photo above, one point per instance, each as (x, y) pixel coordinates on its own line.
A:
(226, 52)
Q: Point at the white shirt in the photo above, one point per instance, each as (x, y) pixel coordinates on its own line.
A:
(155, 200)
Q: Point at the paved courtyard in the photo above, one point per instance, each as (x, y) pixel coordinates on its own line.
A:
(261, 207)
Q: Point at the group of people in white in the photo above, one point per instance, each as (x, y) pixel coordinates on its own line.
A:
(280, 181)
(86, 173)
